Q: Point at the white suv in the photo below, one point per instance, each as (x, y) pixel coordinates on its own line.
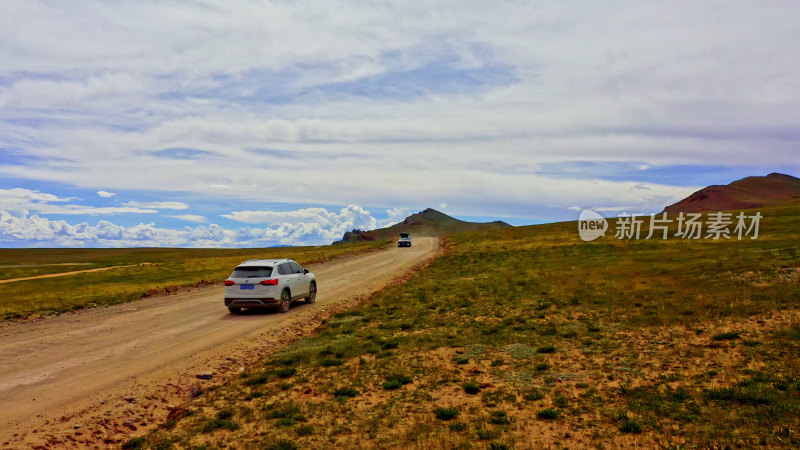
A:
(268, 282)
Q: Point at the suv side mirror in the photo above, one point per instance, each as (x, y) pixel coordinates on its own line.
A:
(305, 270)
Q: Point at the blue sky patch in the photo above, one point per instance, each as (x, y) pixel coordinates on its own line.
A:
(182, 153)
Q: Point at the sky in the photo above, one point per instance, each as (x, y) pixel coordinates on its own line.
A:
(260, 123)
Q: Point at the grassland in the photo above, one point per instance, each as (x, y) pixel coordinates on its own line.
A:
(153, 271)
(531, 338)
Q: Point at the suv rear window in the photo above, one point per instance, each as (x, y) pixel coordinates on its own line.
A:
(252, 272)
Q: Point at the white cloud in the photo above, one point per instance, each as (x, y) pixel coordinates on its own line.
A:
(25, 200)
(312, 226)
(18, 199)
(157, 205)
(190, 218)
(106, 194)
(611, 81)
(395, 215)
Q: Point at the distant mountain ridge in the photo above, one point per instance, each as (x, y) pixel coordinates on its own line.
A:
(747, 193)
(428, 222)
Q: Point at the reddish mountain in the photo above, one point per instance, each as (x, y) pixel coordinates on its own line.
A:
(747, 193)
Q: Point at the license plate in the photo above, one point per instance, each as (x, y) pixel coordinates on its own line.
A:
(247, 286)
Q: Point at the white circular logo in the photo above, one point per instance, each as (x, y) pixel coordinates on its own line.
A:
(591, 225)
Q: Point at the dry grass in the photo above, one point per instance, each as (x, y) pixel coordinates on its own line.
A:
(606, 344)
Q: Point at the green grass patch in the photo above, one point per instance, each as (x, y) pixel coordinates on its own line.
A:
(396, 381)
(630, 426)
(499, 418)
(471, 387)
(486, 434)
(280, 444)
(728, 336)
(345, 392)
(548, 414)
(286, 372)
(445, 413)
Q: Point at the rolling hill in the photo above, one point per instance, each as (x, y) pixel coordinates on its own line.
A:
(428, 222)
(747, 193)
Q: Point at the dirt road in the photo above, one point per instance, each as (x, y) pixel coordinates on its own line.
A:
(63, 274)
(97, 377)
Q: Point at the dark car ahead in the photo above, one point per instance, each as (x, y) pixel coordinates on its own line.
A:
(404, 240)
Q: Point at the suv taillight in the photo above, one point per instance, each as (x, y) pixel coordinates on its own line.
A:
(229, 283)
(272, 282)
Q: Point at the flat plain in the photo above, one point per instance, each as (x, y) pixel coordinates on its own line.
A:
(93, 377)
(132, 273)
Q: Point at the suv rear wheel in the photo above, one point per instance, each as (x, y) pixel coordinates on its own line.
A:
(234, 310)
(286, 298)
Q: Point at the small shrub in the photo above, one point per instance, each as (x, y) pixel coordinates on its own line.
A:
(630, 426)
(533, 394)
(287, 372)
(461, 360)
(560, 401)
(345, 392)
(546, 349)
(390, 385)
(548, 414)
(252, 395)
(134, 443)
(498, 446)
(396, 380)
(498, 363)
(280, 444)
(289, 360)
(162, 444)
(286, 421)
(729, 336)
(487, 435)
(445, 413)
(257, 379)
(542, 366)
(331, 362)
(305, 430)
(471, 387)
(499, 418)
(458, 426)
(389, 344)
(224, 414)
